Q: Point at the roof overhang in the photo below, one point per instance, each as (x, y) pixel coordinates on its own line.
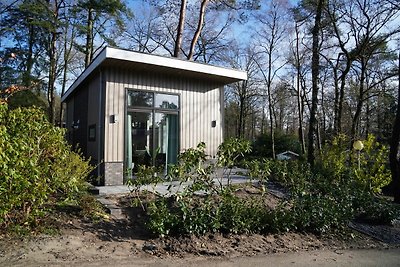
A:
(144, 62)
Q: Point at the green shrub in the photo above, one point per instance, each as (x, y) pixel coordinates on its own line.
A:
(161, 219)
(292, 174)
(231, 151)
(320, 200)
(369, 167)
(259, 169)
(26, 98)
(217, 209)
(37, 166)
(373, 172)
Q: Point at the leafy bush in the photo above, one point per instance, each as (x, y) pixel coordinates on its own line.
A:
(26, 98)
(368, 167)
(145, 175)
(293, 175)
(231, 151)
(216, 208)
(373, 171)
(320, 199)
(37, 166)
(259, 169)
(336, 190)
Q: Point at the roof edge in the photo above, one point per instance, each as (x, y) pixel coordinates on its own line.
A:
(92, 66)
(155, 60)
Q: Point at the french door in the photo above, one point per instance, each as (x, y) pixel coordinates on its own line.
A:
(152, 137)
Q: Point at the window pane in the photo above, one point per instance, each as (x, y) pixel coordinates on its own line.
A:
(139, 138)
(140, 99)
(166, 101)
(165, 139)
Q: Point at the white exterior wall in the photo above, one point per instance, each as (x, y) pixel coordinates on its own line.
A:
(201, 103)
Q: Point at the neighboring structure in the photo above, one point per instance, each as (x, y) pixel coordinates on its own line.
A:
(287, 155)
(130, 108)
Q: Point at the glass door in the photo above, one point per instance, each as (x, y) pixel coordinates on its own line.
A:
(151, 140)
(152, 130)
(139, 139)
(165, 144)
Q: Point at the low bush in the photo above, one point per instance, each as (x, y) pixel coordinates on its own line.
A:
(203, 206)
(37, 167)
(320, 200)
(369, 167)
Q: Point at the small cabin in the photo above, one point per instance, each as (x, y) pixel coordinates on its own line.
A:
(127, 109)
(287, 155)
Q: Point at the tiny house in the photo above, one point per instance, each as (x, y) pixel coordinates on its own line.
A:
(129, 108)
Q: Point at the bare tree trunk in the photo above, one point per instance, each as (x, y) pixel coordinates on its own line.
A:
(240, 133)
(29, 61)
(53, 65)
(270, 107)
(343, 78)
(199, 28)
(357, 114)
(315, 75)
(339, 90)
(89, 38)
(181, 25)
(319, 140)
(336, 99)
(242, 107)
(67, 54)
(271, 112)
(394, 148)
(300, 105)
(271, 130)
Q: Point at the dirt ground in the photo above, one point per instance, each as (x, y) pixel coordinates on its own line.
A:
(82, 242)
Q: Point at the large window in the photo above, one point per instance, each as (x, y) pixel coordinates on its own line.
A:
(152, 129)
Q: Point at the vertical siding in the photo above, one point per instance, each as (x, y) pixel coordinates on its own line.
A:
(69, 118)
(200, 104)
(114, 132)
(93, 116)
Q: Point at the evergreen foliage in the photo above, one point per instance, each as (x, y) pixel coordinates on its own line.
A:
(37, 167)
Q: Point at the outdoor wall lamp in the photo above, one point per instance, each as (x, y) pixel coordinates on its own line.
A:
(114, 118)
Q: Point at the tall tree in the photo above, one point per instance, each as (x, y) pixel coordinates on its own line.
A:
(98, 17)
(368, 21)
(342, 64)
(200, 25)
(242, 96)
(272, 33)
(53, 27)
(299, 88)
(25, 25)
(315, 76)
(69, 33)
(394, 147)
(179, 32)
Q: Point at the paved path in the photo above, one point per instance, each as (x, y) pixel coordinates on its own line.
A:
(237, 177)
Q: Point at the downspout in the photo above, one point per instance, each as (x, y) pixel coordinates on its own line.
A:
(99, 126)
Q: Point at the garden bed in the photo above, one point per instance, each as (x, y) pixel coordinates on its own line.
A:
(82, 240)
